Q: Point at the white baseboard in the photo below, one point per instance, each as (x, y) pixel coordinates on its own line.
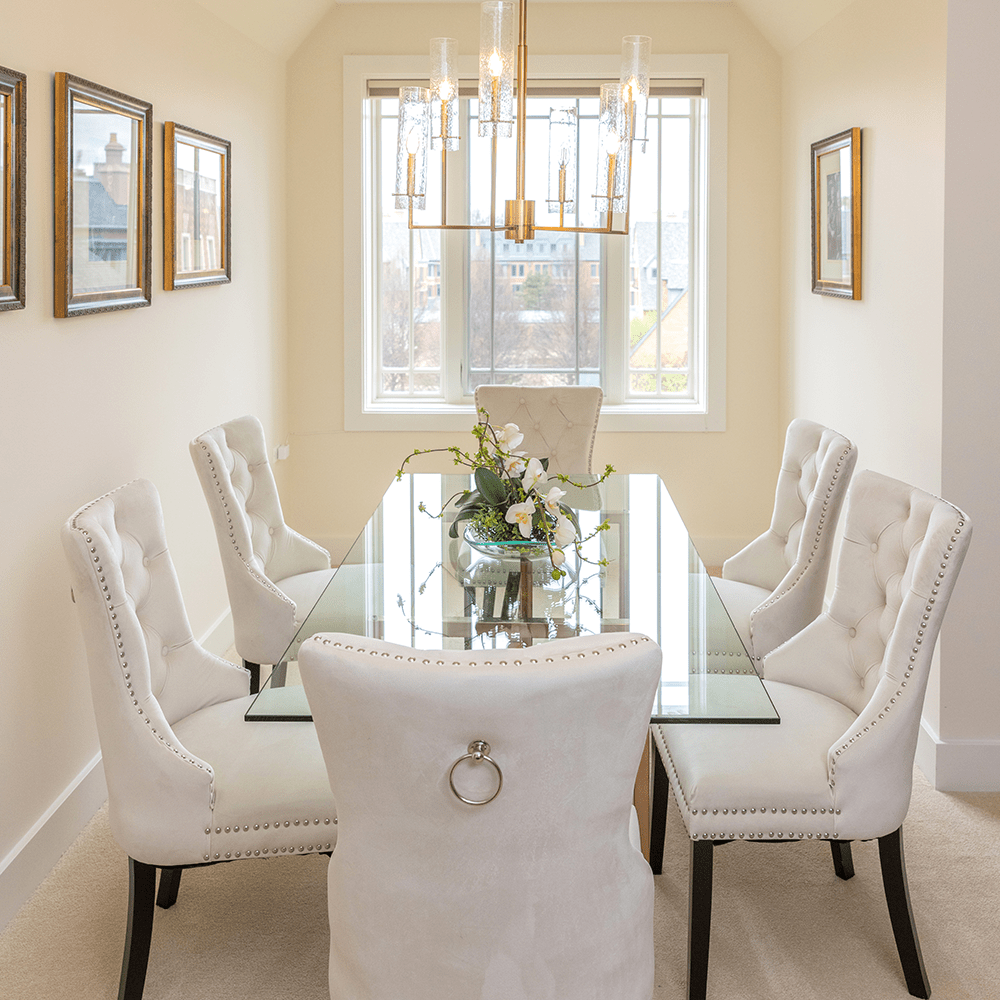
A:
(33, 857)
(958, 765)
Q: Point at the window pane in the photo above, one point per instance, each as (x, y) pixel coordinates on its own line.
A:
(659, 257)
(533, 311)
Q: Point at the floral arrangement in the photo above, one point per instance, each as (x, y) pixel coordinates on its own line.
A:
(515, 499)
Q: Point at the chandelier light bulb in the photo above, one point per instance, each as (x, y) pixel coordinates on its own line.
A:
(496, 64)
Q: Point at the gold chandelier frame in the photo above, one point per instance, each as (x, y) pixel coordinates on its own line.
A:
(622, 104)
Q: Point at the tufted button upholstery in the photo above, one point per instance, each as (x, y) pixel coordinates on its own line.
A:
(262, 557)
(790, 561)
(867, 656)
(177, 755)
(189, 782)
(559, 424)
(517, 898)
(848, 688)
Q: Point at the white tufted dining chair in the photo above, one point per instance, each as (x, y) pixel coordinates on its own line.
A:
(273, 574)
(849, 690)
(540, 893)
(774, 586)
(189, 782)
(558, 422)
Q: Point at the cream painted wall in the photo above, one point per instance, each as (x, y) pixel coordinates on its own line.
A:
(337, 476)
(91, 402)
(873, 369)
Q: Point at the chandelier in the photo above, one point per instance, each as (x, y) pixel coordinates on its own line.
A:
(428, 121)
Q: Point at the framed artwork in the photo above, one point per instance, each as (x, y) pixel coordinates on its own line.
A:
(103, 211)
(836, 215)
(13, 107)
(196, 216)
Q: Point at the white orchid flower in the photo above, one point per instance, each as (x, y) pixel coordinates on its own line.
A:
(520, 514)
(515, 463)
(534, 476)
(558, 557)
(552, 498)
(509, 436)
(564, 532)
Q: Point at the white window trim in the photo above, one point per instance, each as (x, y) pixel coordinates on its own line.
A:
(361, 415)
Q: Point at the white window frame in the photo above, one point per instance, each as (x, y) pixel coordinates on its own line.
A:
(362, 412)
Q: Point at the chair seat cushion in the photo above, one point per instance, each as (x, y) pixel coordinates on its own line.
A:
(261, 767)
(741, 599)
(755, 782)
(304, 589)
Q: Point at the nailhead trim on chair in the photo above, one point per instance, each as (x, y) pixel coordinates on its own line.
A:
(122, 655)
(321, 639)
(816, 540)
(252, 851)
(225, 508)
(918, 641)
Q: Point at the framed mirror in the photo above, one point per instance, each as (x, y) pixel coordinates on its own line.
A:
(13, 105)
(196, 216)
(103, 182)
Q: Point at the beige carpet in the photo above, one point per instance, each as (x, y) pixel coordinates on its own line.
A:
(784, 925)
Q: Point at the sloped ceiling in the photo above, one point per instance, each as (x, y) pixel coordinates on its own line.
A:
(280, 26)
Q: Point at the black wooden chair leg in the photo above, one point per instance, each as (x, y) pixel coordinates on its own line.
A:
(139, 931)
(897, 897)
(843, 861)
(254, 669)
(658, 813)
(170, 880)
(699, 917)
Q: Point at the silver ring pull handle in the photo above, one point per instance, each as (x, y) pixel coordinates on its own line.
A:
(478, 750)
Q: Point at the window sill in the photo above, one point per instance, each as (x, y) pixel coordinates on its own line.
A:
(625, 418)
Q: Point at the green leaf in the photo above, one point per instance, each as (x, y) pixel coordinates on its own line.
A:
(463, 515)
(544, 463)
(491, 486)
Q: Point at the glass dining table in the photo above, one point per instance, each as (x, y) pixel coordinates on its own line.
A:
(407, 580)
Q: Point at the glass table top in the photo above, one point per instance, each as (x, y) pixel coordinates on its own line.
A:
(405, 580)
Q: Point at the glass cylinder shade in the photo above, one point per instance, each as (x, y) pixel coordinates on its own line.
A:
(614, 153)
(412, 140)
(497, 62)
(562, 159)
(444, 94)
(634, 83)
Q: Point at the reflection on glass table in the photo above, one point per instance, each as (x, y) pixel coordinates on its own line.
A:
(407, 581)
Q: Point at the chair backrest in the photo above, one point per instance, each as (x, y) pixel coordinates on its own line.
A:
(872, 649)
(542, 892)
(816, 468)
(235, 473)
(558, 422)
(147, 672)
(257, 548)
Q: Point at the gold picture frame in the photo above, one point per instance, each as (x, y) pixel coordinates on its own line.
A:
(196, 208)
(13, 159)
(836, 215)
(103, 211)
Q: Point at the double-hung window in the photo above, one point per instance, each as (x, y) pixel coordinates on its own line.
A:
(430, 314)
